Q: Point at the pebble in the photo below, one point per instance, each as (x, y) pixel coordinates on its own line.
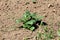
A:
(54, 10)
(50, 5)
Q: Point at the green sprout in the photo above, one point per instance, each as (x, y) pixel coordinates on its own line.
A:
(28, 20)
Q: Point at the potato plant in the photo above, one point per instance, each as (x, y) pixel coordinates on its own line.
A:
(29, 19)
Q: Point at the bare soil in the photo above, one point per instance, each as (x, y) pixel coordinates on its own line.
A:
(10, 10)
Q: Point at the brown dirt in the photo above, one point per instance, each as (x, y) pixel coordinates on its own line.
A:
(10, 10)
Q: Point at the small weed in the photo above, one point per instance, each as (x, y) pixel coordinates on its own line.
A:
(29, 19)
(48, 34)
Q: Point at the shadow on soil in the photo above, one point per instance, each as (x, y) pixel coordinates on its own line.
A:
(36, 25)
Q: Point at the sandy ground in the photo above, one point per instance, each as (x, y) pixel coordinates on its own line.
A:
(10, 10)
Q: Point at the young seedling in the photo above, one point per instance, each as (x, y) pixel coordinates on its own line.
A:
(28, 20)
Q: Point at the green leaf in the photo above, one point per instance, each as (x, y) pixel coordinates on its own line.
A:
(58, 32)
(41, 23)
(51, 36)
(45, 35)
(25, 19)
(32, 28)
(26, 26)
(26, 16)
(46, 29)
(18, 20)
(27, 12)
(31, 22)
(28, 20)
(34, 16)
(29, 27)
(40, 17)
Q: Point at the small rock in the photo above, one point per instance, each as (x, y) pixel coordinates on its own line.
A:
(54, 10)
(50, 5)
(3, 39)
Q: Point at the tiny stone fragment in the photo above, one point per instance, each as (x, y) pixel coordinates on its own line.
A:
(50, 5)
(54, 10)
